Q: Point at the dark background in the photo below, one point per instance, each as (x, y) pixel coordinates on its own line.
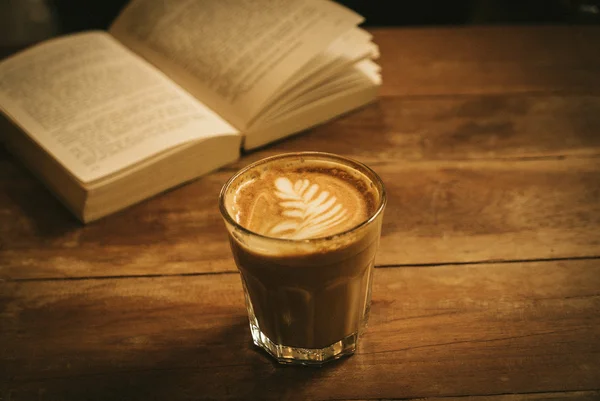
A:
(84, 14)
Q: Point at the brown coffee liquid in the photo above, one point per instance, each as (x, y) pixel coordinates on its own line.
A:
(306, 295)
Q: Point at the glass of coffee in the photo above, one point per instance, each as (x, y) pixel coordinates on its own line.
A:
(304, 229)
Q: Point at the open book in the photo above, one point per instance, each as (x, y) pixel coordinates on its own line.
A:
(175, 89)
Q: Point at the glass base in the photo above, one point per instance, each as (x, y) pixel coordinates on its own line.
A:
(303, 356)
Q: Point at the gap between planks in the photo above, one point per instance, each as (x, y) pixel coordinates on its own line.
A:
(227, 272)
(533, 396)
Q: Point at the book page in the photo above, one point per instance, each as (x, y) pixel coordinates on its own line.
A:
(350, 42)
(333, 62)
(362, 74)
(232, 54)
(98, 108)
(339, 83)
(310, 115)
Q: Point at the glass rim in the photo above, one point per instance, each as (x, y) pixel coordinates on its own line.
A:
(374, 176)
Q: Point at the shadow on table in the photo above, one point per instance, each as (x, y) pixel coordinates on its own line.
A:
(244, 371)
(30, 199)
(183, 364)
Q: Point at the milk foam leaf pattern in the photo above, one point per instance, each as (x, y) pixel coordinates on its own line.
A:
(310, 212)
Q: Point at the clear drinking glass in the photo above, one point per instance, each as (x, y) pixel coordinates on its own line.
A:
(307, 300)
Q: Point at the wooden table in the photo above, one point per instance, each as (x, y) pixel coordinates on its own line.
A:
(488, 278)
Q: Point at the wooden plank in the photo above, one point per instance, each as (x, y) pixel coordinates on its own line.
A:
(456, 127)
(477, 211)
(438, 212)
(433, 332)
(493, 59)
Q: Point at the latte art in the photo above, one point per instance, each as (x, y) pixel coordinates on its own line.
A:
(311, 212)
(302, 200)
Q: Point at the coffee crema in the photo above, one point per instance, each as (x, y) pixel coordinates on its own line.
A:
(302, 200)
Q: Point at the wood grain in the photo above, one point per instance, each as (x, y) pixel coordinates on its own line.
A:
(487, 139)
(437, 331)
(438, 150)
(438, 212)
(487, 60)
(456, 128)
(557, 396)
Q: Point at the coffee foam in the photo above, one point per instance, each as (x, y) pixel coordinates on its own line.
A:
(301, 199)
